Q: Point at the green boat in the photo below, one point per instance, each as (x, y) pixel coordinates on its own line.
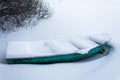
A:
(56, 51)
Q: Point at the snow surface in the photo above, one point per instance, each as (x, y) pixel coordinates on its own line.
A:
(71, 18)
(23, 49)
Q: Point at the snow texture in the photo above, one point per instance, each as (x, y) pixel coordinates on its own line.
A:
(71, 18)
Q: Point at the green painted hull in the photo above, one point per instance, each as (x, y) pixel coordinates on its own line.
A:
(57, 58)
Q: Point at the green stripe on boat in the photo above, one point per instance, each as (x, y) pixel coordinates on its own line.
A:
(57, 58)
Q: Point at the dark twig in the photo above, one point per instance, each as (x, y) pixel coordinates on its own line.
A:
(19, 13)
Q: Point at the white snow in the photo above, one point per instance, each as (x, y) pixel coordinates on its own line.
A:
(27, 49)
(71, 18)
